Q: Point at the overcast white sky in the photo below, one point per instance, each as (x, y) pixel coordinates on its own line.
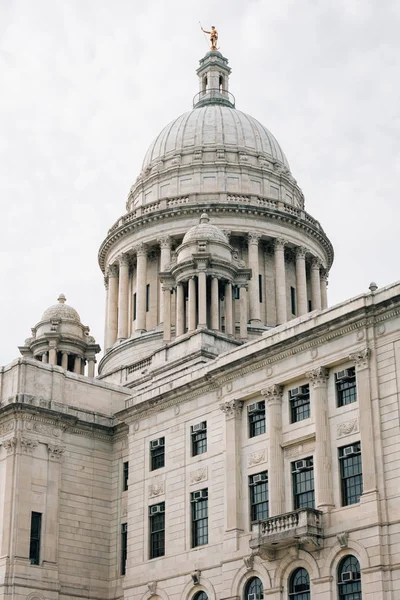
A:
(85, 85)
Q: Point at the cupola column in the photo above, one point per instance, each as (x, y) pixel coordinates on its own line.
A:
(315, 284)
(91, 365)
(255, 314)
(228, 309)
(167, 313)
(324, 289)
(123, 297)
(273, 399)
(280, 281)
(112, 308)
(141, 278)
(202, 279)
(214, 303)
(52, 354)
(301, 281)
(64, 361)
(106, 314)
(192, 304)
(180, 310)
(77, 365)
(243, 311)
(45, 358)
(165, 259)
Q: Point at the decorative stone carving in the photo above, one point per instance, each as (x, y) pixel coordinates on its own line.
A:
(177, 160)
(343, 539)
(347, 428)
(165, 242)
(318, 376)
(42, 428)
(301, 252)
(316, 263)
(255, 458)
(253, 238)
(232, 408)
(28, 445)
(195, 575)
(55, 451)
(249, 561)
(156, 488)
(243, 157)
(198, 475)
(140, 249)
(6, 427)
(361, 358)
(273, 393)
(106, 283)
(279, 244)
(293, 451)
(152, 586)
(10, 445)
(220, 153)
(113, 271)
(124, 260)
(324, 274)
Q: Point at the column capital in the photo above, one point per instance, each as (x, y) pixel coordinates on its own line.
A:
(165, 242)
(113, 271)
(124, 260)
(106, 282)
(140, 249)
(324, 274)
(274, 393)
(361, 358)
(316, 263)
(253, 238)
(301, 252)
(232, 408)
(279, 244)
(318, 376)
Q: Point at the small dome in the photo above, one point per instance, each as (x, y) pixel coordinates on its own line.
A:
(61, 311)
(205, 231)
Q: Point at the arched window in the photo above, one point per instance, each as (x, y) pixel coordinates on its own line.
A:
(299, 585)
(349, 579)
(254, 589)
(200, 596)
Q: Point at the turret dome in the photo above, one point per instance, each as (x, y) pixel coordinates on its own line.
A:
(204, 231)
(61, 311)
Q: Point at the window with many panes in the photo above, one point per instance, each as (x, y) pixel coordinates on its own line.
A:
(299, 398)
(125, 476)
(36, 531)
(199, 438)
(299, 585)
(256, 416)
(349, 579)
(303, 483)
(200, 596)
(199, 502)
(346, 388)
(157, 454)
(259, 496)
(157, 529)
(254, 589)
(351, 473)
(124, 547)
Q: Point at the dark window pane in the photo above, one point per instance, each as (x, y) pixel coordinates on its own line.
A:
(256, 415)
(157, 454)
(157, 530)
(259, 496)
(36, 530)
(299, 403)
(346, 387)
(199, 518)
(349, 579)
(303, 484)
(351, 473)
(124, 547)
(254, 586)
(199, 439)
(299, 585)
(125, 476)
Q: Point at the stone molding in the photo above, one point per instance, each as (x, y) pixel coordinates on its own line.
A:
(361, 358)
(318, 376)
(55, 451)
(232, 408)
(198, 475)
(343, 539)
(152, 587)
(298, 449)
(249, 562)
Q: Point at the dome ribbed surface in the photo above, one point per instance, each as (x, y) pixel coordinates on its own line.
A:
(61, 311)
(212, 127)
(205, 231)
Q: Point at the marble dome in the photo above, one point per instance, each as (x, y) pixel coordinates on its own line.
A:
(61, 311)
(212, 126)
(204, 231)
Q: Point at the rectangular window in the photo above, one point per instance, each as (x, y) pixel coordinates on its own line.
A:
(36, 530)
(303, 483)
(260, 294)
(256, 415)
(199, 438)
(124, 547)
(157, 529)
(199, 501)
(299, 399)
(236, 292)
(259, 496)
(134, 306)
(293, 300)
(157, 454)
(346, 388)
(147, 297)
(351, 473)
(309, 306)
(125, 476)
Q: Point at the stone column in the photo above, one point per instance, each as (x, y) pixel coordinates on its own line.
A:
(280, 281)
(123, 297)
(228, 309)
(214, 303)
(77, 365)
(243, 311)
(180, 310)
(167, 314)
(315, 284)
(45, 358)
(361, 360)
(323, 458)
(202, 279)
(52, 354)
(141, 279)
(273, 400)
(192, 304)
(233, 480)
(83, 365)
(91, 367)
(112, 311)
(301, 281)
(324, 290)
(255, 312)
(106, 313)
(64, 360)
(165, 259)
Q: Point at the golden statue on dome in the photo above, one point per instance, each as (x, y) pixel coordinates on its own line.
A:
(213, 36)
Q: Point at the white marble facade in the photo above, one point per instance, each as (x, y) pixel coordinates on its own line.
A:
(216, 324)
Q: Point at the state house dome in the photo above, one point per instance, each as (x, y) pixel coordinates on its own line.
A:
(214, 126)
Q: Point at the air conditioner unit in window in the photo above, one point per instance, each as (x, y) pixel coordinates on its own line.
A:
(156, 509)
(156, 443)
(349, 576)
(255, 597)
(298, 392)
(256, 407)
(259, 478)
(300, 465)
(343, 375)
(350, 450)
(199, 427)
(200, 495)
